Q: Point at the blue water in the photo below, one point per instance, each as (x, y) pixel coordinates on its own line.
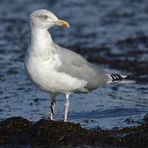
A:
(93, 24)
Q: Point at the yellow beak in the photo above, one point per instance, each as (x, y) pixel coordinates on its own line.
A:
(63, 23)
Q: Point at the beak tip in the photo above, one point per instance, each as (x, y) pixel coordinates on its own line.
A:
(64, 24)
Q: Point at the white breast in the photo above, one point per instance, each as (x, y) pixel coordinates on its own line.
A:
(44, 75)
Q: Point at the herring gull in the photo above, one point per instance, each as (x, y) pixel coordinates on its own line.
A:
(57, 70)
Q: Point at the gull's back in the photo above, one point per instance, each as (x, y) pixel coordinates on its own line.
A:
(75, 65)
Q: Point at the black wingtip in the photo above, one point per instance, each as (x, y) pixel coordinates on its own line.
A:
(117, 77)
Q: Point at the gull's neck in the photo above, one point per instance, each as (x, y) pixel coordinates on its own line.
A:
(41, 42)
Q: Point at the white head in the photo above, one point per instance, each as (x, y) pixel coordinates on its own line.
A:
(45, 19)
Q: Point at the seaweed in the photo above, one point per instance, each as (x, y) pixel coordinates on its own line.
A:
(17, 131)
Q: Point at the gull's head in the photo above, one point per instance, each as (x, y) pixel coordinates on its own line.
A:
(45, 19)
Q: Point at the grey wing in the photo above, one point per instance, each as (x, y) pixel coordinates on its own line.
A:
(76, 66)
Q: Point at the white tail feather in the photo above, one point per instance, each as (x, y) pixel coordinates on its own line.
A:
(116, 78)
(125, 81)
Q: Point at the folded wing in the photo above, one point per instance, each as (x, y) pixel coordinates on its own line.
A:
(75, 65)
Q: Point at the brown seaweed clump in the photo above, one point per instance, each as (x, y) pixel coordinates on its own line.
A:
(17, 131)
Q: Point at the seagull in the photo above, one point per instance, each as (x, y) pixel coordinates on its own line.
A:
(57, 70)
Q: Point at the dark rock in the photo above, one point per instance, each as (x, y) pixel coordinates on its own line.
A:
(11, 128)
(17, 131)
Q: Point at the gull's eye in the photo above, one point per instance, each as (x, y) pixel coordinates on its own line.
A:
(43, 17)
